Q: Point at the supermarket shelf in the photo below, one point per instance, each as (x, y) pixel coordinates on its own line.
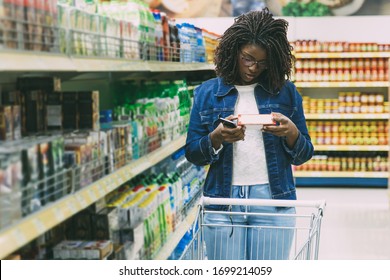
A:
(176, 236)
(340, 84)
(17, 61)
(356, 116)
(331, 178)
(27, 229)
(340, 174)
(365, 148)
(343, 55)
(342, 182)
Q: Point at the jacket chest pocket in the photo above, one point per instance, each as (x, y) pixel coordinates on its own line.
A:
(284, 109)
(209, 118)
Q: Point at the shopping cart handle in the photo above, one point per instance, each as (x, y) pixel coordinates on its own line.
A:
(263, 202)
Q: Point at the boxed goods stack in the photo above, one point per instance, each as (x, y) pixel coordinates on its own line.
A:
(29, 25)
(34, 174)
(34, 91)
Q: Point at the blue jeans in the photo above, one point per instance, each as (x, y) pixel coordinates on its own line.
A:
(250, 237)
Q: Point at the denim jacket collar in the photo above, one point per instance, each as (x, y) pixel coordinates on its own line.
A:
(224, 89)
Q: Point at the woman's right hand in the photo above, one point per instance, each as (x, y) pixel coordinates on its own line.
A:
(225, 134)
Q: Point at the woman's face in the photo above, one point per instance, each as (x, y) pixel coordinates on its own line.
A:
(252, 61)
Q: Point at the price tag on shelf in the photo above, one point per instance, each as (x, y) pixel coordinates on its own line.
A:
(316, 174)
(320, 55)
(123, 178)
(92, 194)
(39, 225)
(321, 84)
(120, 181)
(101, 189)
(358, 175)
(140, 166)
(375, 148)
(19, 237)
(72, 206)
(108, 187)
(81, 200)
(58, 214)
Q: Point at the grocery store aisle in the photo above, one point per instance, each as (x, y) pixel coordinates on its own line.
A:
(356, 224)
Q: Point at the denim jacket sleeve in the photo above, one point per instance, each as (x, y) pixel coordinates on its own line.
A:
(198, 148)
(303, 149)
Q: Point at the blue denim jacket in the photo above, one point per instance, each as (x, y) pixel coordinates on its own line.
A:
(214, 99)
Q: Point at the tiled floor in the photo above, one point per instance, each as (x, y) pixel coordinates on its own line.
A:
(356, 223)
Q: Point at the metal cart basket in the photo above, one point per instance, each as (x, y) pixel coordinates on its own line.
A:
(295, 234)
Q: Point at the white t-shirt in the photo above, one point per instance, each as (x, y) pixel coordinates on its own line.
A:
(249, 163)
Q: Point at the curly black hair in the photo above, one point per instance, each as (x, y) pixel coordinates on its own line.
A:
(260, 28)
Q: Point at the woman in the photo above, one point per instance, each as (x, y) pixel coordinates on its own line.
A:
(253, 63)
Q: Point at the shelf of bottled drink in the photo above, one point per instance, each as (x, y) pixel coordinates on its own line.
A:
(13, 61)
(80, 41)
(185, 224)
(67, 39)
(24, 230)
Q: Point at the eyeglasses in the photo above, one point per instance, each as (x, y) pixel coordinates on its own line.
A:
(248, 62)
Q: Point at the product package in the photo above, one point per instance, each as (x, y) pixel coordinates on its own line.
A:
(53, 103)
(33, 111)
(6, 123)
(70, 110)
(88, 109)
(16, 123)
(255, 119)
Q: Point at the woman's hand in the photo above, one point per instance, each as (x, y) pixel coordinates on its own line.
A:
(225, 134)
(286, 128)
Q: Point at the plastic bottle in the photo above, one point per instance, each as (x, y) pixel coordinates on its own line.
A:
(193, 42)
(158, 35)
(151, 224)
(166, 36)
(185, 43)
(149, 26)
(174, 40)
(201, 49)
(165, 212)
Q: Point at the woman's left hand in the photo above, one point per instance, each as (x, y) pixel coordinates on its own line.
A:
(285, 128)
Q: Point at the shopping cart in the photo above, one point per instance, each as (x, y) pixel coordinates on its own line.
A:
(295, 234)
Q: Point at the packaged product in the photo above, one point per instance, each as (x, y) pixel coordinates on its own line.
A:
(75, 249)
(88, 109)
(50, 27)
(33, 111)
(61, 183)
(30, 171)
(53, 117)
(6, 123)
(10, 185)
(70, 110)
(30, 25)
(7, 25)
(16, 122)
(255, 119)
(106, 225)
